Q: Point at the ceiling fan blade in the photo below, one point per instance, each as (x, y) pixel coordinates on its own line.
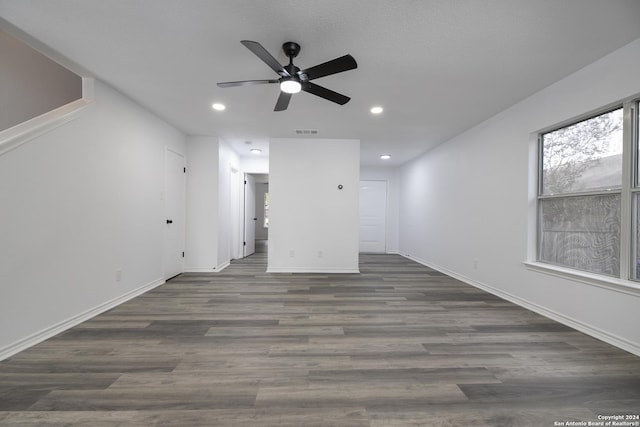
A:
(283, 101)
(325, 93)
(266, 57)
(334, 66)
(246, 83)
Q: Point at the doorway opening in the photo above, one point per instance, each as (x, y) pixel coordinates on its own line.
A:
(256, 214)
(373, 216)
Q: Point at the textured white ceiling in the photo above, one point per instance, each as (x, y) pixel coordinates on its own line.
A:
(437, 66)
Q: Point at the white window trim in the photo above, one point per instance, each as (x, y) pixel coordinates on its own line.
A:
(623, 284)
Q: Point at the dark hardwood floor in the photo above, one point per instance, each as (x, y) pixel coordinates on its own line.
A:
(397, 345)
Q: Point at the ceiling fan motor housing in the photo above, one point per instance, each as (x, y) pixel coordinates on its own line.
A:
(291, 49)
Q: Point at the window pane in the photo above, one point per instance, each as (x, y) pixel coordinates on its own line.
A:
(636, 259)
(636, 248)
(581, 233)
(586, 156)
(637, 144)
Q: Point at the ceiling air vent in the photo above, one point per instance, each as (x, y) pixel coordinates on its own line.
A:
(306, 131)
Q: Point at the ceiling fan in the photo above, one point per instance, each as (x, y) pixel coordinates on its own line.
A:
(293, 79)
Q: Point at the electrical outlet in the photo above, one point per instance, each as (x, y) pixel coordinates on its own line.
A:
(475, 264)
(320, 254)
(292, 253)
(118, 275)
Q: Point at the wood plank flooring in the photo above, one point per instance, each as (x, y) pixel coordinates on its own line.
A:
(397, 345)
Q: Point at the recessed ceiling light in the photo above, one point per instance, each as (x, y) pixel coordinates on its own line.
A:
(376, 110)
(256, 150)
(219, 107)
(385, 156)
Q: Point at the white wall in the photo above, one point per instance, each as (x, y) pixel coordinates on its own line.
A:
(79, 203)
(254, 164)
(201, 253)
(390, 175)
(313, 226)
(468, 202)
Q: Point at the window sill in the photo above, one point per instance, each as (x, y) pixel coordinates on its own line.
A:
(611, 283)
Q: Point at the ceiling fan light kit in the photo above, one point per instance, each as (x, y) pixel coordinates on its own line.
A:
(292, 79)
(290, 85)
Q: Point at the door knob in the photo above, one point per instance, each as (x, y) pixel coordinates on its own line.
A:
(169, 221)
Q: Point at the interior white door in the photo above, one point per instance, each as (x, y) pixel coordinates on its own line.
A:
(249, 215)
(373, 216)
(174, 207)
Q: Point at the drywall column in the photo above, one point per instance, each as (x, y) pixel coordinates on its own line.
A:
(314, 218)
(201, 254)
(228, 191)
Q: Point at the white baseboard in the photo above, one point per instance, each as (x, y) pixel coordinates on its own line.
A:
(223, 266)
(200, 270)
(207, 269)
(578, 325)
(51, 331)
(312, 270)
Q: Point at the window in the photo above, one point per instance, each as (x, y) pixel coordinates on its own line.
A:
(588, 197)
